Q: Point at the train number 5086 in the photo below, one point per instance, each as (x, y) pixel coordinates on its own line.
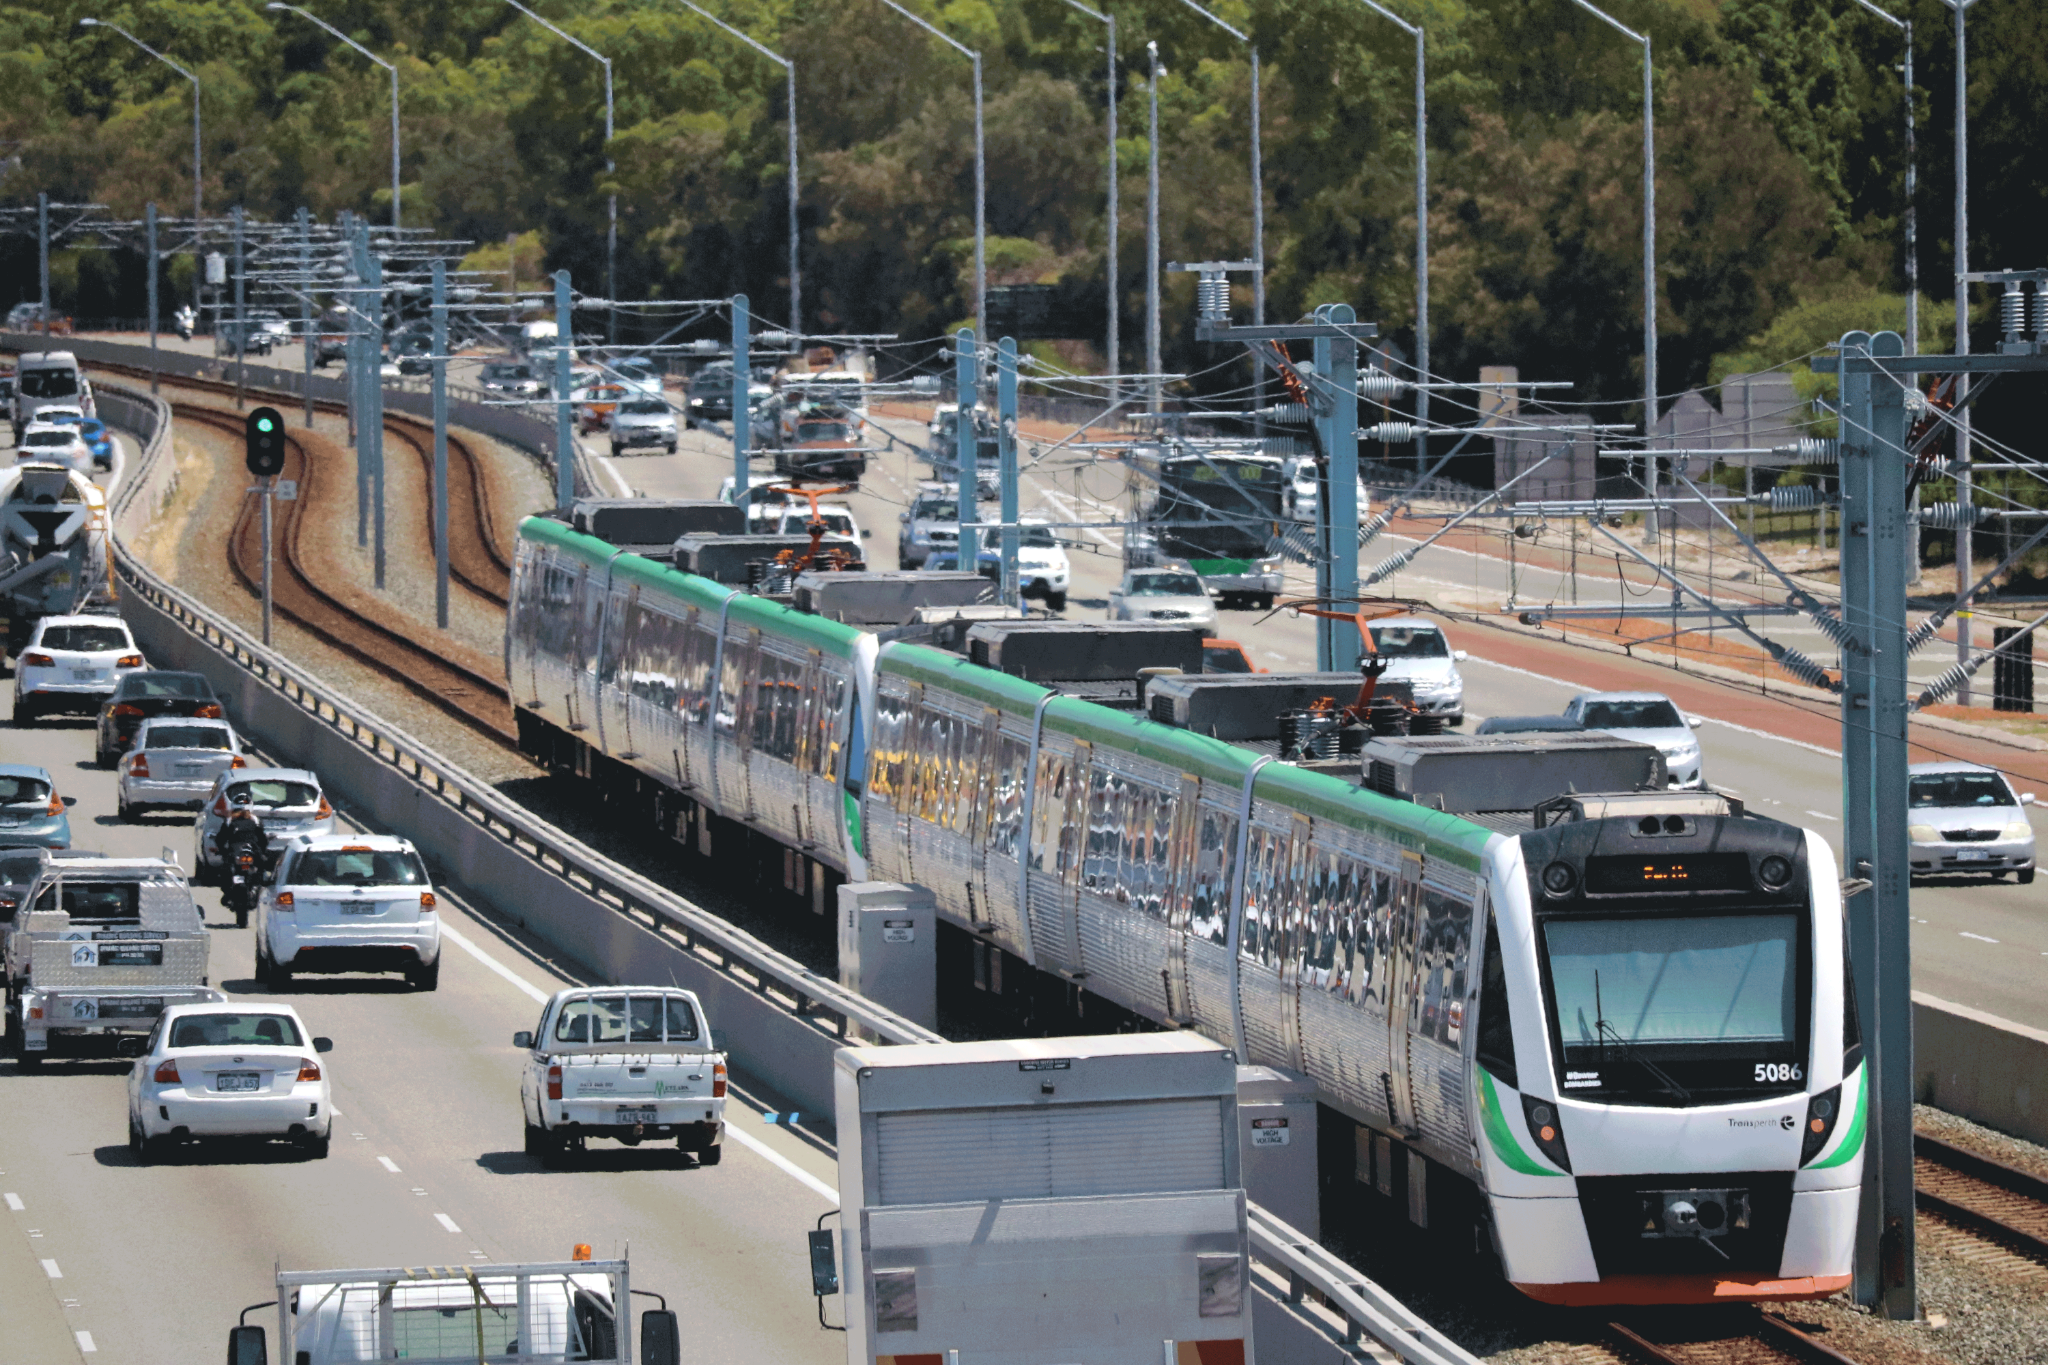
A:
(1777, 1071)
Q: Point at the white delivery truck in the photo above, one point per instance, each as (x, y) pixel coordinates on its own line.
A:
(632, 1063)
(1058, 1199)
(494, 1314)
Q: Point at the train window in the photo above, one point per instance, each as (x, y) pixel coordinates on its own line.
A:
(1099, 852)
(1048, 813)
(1375, 896)
(700, 647)
(1209, 915)
(1852, 1025)
(1496, 1026)
(731, 681)
(831, 702)
(616, 634)
(1158, 886)
(1263, 914)
(1006, 804)
(777, 697)
(892, 719)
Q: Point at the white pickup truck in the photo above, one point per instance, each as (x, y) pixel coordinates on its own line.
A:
(634, 1063)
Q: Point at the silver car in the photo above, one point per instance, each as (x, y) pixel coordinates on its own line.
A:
(288, 801)
(54, 443)
(931, 524)
(643, 422)
(1418, 652)
(1962, 818)
(1163, 595)
(174, 761)
(1647, 718)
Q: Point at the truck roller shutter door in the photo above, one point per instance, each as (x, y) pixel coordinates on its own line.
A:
(949, 1157)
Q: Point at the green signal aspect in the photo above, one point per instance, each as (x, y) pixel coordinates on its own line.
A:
(263, 424)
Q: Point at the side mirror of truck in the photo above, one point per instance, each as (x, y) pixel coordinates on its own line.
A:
(661, 1339)
(824, 1264)
(323, 1044)
(718, 1040)
(522, 1039)
(70, 800)
(247, 1346)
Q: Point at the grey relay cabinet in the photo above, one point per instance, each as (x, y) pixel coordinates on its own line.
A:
(1058, 1199)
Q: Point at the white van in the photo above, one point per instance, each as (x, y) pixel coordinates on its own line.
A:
(43, 378)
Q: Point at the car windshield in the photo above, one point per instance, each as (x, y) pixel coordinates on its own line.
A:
(1410, 642)
(1028, 537)
(1165, 585)
(92, 900)
(274, 792)
(1657, 714)
(49, 438)
(18, 788)
(236, 1030)
(85, 639)
(188, 737)
(627, 1019)
(166, 685)
(822, 431)
(507, 372)
(948, 510)
(1959, 789)
(647, 407)
(49, 384)
(1678, 982)
(358, 867)
(1224, 659)
(16, 869)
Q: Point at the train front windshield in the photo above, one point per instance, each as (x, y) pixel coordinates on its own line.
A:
(1655, 1008)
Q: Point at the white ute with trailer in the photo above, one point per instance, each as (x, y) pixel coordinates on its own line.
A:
(507, 1313)
(97, 950)
(634, 1063)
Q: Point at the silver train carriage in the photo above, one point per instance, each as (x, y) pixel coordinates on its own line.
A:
(1446, 981)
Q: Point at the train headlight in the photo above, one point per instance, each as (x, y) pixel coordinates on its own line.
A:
(1775, 872)
(1559, 879)
(1545, 1128)
(1823, 1111)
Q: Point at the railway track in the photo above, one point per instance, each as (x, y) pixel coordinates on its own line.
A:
(1988, 1198)
(1718, 1336)
(480, 702)
(476, 557)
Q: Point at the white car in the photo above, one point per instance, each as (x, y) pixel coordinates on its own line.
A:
(1418, 653)
(1163, 595)
(288, 801)
(174, 761)
(71, 663)
(349, 903)
(840, 388)
(794, 519)
(643, 421)
(234, 1069)
(1042, 567)
(1303, 494)
(634, 1063)
(1647, 718)
(54, 443)
(1963, 818)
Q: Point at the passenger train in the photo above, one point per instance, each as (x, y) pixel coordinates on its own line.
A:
(1445, 980)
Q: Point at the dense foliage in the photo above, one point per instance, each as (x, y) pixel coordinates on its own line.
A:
(1779, 145)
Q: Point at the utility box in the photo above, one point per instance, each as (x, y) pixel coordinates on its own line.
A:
(724, 559)
(887, 597)
(1467, 773)
(1276, 1131)
(655, 521)
(1069, 1200)
(1083, 651)
(889, 947)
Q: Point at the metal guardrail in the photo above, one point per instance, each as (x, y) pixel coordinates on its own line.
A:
(1367, 1309)
(738, 954)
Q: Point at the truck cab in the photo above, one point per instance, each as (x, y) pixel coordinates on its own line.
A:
(631, 1063)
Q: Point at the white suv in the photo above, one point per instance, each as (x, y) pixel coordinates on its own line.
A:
(288, 801)
(71, 663)
(349, 903)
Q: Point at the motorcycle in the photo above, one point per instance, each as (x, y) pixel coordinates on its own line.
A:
(187, 320)
(245, 865)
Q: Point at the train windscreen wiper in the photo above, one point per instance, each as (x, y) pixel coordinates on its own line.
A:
(1604, 1030)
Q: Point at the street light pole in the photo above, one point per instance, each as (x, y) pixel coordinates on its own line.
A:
(1422, 374)
(980, 173)
(1966, 556)
(1111, 339)
(1649, 257)
(796, 279)
(388, 66)
(198, 180)
(1905, 26)
(611, 240)
(1152, 233)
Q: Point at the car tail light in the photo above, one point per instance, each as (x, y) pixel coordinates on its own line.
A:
(128, 661)
(140, 767)
(56, 805)
(166, 1073)
(220, 806)
(309, 1070)
(125, 709)
(326, 811)
(554, 1082)
(35, 1011)
(38, 661)
(426, 900)
(718, 1081)
(210, 711)
(238, 762)
(284, 900)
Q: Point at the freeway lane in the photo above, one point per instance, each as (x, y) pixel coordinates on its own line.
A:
(1980, 944)
(426, 1164)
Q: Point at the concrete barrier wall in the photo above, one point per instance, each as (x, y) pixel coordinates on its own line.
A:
(1984, 1068)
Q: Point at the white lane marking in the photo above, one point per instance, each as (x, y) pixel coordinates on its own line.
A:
(86, 1345)
(1711, 720)
(461, 941)
(388, 1164)
(445, 1221)
(753, 1144)
(1964, 933)
(14, 1202)
(1068, 511)
(50, 1269)
(1823, 815)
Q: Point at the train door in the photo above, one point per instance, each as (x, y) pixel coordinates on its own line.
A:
(1187, 816)
(984, 771)
(1074, 840)
(806, 752)
(1046, 846)
(617, 677)
(1297, 933)
(743, 675)
(1402, 985)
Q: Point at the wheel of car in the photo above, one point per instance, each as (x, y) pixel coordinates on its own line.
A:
(538, 1142)
(1265, 601)
(280, 978)
(314, 1148)
(1056, 601)
(263, 970)
(615, 450)
(710, 1156)
(137, 1143)
(2025, 877)
(123, 812)
(425, 978)
(1458, 719)
(24, 713)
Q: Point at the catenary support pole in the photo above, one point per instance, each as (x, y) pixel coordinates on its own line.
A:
(241, 314)
(309, 342)
(373, 422)
(1336, 361)
(43, 256)
(565, 432)
(358, 334)
(1966, 557)
(266, 493)
(149, 249)
(742, 416)
(1006, 457)
(1152, 231)
(967, 501)
(440, 306)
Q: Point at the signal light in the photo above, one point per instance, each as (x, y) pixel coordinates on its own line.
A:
(263, 443)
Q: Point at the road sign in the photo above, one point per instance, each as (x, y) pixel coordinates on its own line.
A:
(287, 490)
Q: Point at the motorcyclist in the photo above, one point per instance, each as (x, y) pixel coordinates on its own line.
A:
(187, 319)
(244, 858)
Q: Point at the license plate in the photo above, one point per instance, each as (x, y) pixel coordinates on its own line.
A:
(1972, 855)
(635, 1116)
(274, 825)
(10, 821)
(236, 1080)
(85, 675)
(191, 769)
(361, 908)
(132, 1007)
